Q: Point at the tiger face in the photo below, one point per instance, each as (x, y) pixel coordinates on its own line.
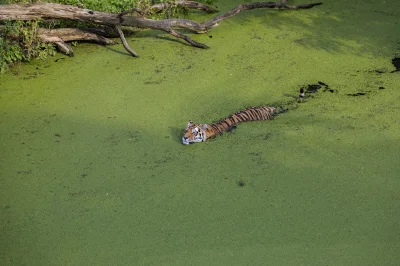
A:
(194, 133)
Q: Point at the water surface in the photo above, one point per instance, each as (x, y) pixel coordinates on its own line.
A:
(93, 171)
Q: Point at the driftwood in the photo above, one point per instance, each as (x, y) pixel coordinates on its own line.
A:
(45, 11)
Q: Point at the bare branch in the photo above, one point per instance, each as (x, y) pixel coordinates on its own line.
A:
(129, 11)
(186, 38)
(124, 42)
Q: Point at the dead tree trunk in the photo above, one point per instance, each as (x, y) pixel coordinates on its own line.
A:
(46, 11)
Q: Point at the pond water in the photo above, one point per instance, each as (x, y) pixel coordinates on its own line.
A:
(93, 171)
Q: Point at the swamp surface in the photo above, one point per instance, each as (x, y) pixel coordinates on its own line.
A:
(93, 171)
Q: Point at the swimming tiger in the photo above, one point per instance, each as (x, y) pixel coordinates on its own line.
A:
(201, 132)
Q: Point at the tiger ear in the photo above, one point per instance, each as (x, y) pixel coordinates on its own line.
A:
(190, 123)
(204, 126)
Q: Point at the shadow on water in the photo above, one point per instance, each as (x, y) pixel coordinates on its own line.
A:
(115, 50)
(337, 27)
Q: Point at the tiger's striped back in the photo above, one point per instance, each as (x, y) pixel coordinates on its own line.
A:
(249, 114)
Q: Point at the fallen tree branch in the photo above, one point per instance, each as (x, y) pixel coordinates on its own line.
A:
(60, 36)
(280, 5)
(115, 21)
(74, 34)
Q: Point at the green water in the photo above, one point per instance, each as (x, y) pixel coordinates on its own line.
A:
(93, 172)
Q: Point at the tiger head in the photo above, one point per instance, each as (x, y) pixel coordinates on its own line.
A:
(194, 133)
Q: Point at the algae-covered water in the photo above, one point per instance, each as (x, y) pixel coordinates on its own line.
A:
(93, 172)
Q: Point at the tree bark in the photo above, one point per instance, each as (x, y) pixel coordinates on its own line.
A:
(46, 11)
(63, 35)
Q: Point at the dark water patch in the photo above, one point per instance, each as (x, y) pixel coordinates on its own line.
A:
(363, 93)
(357, 94)
(241, 183)
(307, 90)
(396, 64)
(314, 88)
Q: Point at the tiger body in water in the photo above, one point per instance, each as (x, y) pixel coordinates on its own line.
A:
(201, 132)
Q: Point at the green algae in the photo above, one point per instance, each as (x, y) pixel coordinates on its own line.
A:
(93, 172)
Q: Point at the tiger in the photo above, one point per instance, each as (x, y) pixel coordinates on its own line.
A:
(201, 132)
